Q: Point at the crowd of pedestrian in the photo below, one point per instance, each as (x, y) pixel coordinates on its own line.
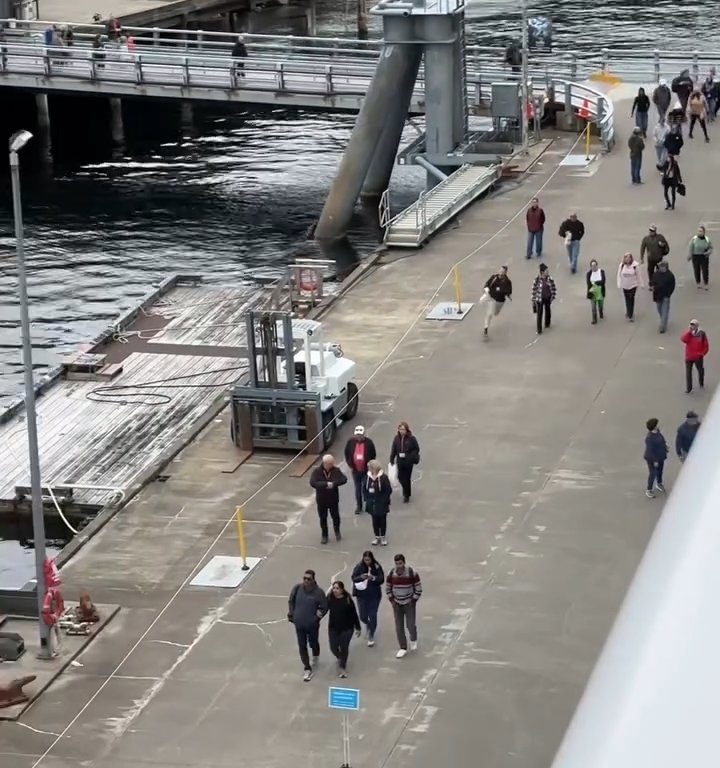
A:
(373, 489)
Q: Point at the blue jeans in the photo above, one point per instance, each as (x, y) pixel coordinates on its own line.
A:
(641, 120)
(534, 239)
(655, 474)
(573, 252)
(662, 155)
(368, 610)
(663, 308)
(635, 165)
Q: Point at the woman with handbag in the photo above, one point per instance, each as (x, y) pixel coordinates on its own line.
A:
(377, 491)
(368, 578)
(405, 452)
(672, 182)
(595, 279)
(629, 278)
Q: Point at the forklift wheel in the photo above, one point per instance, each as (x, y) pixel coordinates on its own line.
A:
(354, 399)
(329, 429)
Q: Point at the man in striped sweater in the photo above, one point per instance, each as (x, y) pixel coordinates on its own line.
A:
(404, 589)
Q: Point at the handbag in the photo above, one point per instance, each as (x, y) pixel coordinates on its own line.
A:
(681, 190)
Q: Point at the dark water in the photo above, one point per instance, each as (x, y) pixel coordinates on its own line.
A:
(229, 192)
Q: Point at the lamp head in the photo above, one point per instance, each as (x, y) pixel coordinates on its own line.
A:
(19, 140)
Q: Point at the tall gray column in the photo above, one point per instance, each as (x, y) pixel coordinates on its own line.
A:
(43, 121)
(460, 82)
(383, 89)
(116, 120)
(380, 171)
(440, 88)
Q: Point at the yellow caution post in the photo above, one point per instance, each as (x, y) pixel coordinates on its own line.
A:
(241, 538)
(458, 289)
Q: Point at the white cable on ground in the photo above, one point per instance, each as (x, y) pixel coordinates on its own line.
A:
(171, 600)
(60, 512)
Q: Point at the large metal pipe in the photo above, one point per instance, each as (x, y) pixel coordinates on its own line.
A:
(369, 124)
(380, 171)
(430, 168)
(652, 697)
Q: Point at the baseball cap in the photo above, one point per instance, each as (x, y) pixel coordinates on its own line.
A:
(691, 415)
(694, 322)
(653, 227)
(359, 430)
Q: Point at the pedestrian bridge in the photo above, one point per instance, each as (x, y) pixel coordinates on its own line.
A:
(323, 73)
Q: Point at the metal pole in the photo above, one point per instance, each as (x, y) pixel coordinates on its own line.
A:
(524, 88)
(37, 505)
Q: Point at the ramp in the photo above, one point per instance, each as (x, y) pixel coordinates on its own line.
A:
(433, 209)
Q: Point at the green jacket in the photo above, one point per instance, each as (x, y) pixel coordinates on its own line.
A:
(700, 246)
(636, 145)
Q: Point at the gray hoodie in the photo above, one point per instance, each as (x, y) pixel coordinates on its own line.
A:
(304, 604)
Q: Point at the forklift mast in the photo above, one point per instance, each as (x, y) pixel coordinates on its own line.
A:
(264, 351)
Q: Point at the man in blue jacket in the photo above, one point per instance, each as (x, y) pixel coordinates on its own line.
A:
(656, 452)
(686, 435)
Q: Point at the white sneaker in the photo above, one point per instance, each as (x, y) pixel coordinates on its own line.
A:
(371, 642)
(383, 541)
(413, 645)
(307, 676)
(401, 654)
(376, 540)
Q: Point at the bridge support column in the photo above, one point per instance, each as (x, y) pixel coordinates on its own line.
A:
(382, 91)
(362, 20)
(443, 103)
(116, 120)
(311, 19)
(43, 121)
(381, 167)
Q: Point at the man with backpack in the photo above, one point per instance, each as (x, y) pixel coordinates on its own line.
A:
(656, 247)
(403, 589)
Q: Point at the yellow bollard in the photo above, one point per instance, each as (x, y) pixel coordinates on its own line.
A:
(458, 289)
(587, 139)
(241, 537)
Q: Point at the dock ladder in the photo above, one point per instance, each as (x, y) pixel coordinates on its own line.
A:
(434, 208)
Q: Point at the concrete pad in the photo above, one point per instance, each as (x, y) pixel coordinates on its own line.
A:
(225, 571)
(575, 161)
(448, 310)
(45, 670)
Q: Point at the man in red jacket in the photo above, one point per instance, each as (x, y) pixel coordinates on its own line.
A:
(535, 218)
(696, 347)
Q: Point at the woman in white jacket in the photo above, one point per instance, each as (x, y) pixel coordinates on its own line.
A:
(629, 278)
(660, 131)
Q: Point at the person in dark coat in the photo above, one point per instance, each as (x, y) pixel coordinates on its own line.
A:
(239, 54)
(326, 480)
(663, 289)
(405, 452)
(377, 491)
(595, 279)
(306, 607)
(656, 452)
(542, 295)
(640, 109)
(662, 96)
(674, 141)
(342, 621)
(368, 577)
(686, 434)
(671, 181)
(359, 450)
(683, 86)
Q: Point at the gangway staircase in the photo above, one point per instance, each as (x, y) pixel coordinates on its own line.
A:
(434, 208)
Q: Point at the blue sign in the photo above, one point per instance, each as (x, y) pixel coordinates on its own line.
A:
(344, 698)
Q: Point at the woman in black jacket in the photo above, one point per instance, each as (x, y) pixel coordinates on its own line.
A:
(343, 619)
(368, 578)
(595, 279)
(406, 452)
(377, 492)
(671, 180)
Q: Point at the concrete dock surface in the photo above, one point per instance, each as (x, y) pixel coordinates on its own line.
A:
(527, 521)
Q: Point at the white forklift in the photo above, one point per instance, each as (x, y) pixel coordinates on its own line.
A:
(299, 387)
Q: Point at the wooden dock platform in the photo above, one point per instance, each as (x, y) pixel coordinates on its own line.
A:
(171, 362)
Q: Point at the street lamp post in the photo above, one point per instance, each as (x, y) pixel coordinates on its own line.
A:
(524, 85)
(17, 142)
